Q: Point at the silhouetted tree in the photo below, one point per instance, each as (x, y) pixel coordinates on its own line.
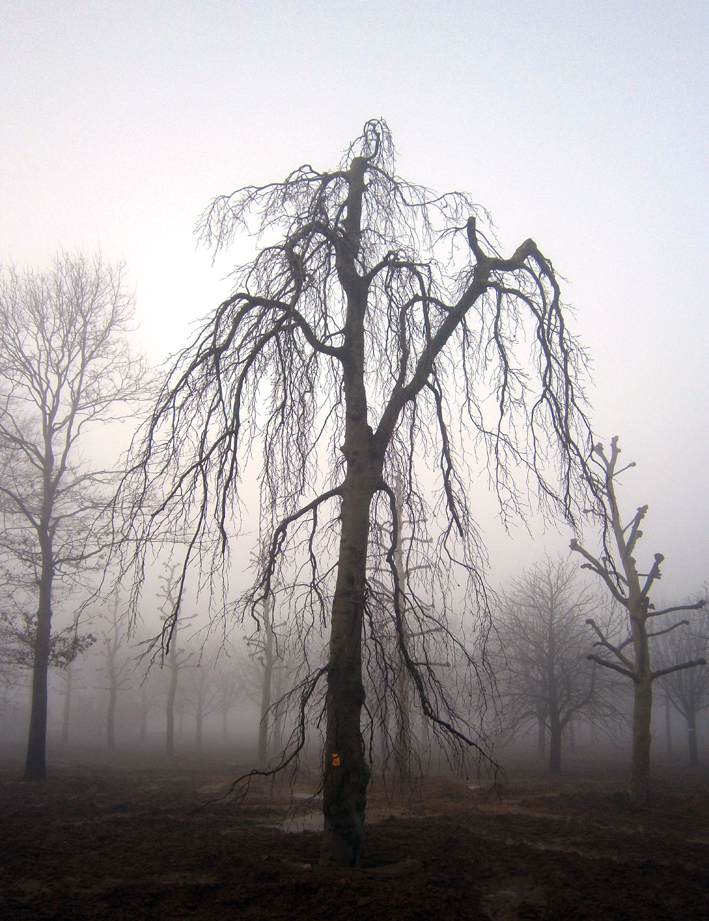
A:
(376, 320)
(687, 689)
(65, 366)
(545, 678)
(617, 567)
(175, 659)
(116, 669)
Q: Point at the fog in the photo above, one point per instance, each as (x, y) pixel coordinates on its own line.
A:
(584, 128)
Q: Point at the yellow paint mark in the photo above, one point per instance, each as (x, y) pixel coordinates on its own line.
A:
(335, 759)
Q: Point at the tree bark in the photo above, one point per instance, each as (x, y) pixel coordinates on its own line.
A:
(639, 785)
(346, 770)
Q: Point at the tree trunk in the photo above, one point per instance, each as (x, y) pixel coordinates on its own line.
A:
(36, 763)
(541, 739)
(555, 746)
(639, 786)
(266, 688)
(668, 727)
(346, 771)
(67, 705)
(143, 715)
(402, 742)
(198, 731)
(110, 722)
(692, 738)
(170, 712)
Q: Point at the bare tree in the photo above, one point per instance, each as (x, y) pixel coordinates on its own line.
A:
(545, 678)
(116, 669)
(264, 652)
(201, 695)
(230, 691)
(65, 366)
(176, 659)
(687, 689)
(631, 589)
(377, 332)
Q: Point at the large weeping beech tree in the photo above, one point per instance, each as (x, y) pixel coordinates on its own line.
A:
(377, 336)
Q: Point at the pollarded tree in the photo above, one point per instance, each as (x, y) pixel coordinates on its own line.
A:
(377, 333)
(65, 366)
(618, 569)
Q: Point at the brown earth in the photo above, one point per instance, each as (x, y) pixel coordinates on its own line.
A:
(141, 840)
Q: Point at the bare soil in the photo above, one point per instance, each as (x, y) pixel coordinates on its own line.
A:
(145, 839)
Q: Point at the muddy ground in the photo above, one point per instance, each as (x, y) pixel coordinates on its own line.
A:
(140, 839)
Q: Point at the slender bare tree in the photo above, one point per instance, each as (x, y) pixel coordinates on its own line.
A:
(176, 659)
(618, 569)
(65, 366)
(116, 669)
(687, 690)
(378, 332)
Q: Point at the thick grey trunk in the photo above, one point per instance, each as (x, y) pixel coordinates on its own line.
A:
(346, 772)
(639, 786)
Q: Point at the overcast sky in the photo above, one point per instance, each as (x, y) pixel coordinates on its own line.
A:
(582, 125)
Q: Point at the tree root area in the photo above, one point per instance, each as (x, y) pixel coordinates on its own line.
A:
(150, 840)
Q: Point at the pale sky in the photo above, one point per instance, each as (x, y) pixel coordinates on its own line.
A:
(584, 126)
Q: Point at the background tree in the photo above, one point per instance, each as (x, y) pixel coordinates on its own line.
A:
(230, 692)
(264, 653)
(175, 659)
(65, 366)
(687, 689)
(631, 589)
(375, 317)
(116, 669)
(201, 694)
(544, 677)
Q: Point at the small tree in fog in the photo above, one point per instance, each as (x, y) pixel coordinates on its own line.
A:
(116, 669)
(545, 678)
(200, 695)
(618, 569)
(65, 366)
(688, 689)
(173, 659)
(376, 321)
